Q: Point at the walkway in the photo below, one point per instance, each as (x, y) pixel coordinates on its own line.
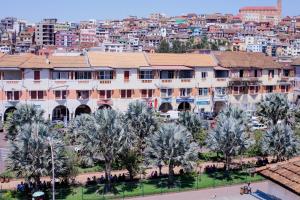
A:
(222, 193)
(82, 178)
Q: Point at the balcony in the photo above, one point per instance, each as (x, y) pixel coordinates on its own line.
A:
(105, 81)
(166, 80)
(185, 80)
(147, 81)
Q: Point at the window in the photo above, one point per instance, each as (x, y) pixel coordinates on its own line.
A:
(105, 94)
(37, 75)
(186, 74)
(126, 94)
(13, 95)
(203, 91)
(255, 73)
(254, 89)
(221, 74)
(166, 74)
(165, 93)
(241, 73)
(220, 91)
(102, 75)
(271, 73)
(60, 94)
(36, 95)
(238, 89)
(60, 75)
(286, 72)
(185, 92)
(83, 94)
(146, 93)
(83, 75)
(269, 88)
(203, 75)
(146, 74)
(126, 75)
(284, 88)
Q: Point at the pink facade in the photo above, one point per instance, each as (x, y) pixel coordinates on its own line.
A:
(67, 39)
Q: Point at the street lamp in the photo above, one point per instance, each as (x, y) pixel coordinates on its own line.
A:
(50, 140)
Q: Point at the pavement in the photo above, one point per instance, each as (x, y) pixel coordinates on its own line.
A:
(222, 193)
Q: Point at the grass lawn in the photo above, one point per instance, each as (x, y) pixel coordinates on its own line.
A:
(157, 186)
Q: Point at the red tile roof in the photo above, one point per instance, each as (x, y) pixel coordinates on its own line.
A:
(286, 174)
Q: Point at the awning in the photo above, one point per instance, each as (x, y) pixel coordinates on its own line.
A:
(171, 67)
(221, 68)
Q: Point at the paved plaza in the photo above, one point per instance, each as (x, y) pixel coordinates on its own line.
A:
(222, 193)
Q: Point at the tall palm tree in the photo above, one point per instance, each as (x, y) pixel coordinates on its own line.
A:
(229, 136)
(140, 121)
(30, 153)
(274, 108)
(100, 136)
(24, 114)
(171, 145)
(280, 142)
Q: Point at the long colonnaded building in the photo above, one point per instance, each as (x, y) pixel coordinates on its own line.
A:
(69, 85)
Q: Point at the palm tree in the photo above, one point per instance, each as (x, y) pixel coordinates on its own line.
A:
(274, 108)
(280, 142)
(24, 114)
(30, 154)
(140, 121)
(229, 136)
(194, 124)
(171, 145)
(100, 137)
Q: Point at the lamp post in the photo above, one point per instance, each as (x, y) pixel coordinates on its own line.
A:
(50, 139)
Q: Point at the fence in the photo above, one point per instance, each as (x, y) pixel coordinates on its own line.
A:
(148, 187)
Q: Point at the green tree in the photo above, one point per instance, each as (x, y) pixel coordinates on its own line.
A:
(274, 108)
(140, 121)
(24, 114)
(194, 124)
(30, 153)
(164, 47)
(178, 47)
(171, 145)
(280, 142)
(100, 137)
(229, 136)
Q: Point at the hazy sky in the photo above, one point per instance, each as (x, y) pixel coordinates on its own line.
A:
(76, 10)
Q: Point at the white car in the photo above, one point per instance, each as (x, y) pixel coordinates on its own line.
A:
(258, 126)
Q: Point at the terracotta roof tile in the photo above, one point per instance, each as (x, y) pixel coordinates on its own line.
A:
(245, 60)
(117, 60)
(11, 61)
(190, 60)
(286, 174)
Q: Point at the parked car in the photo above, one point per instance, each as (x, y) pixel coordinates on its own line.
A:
(258, 126)
(209, 115)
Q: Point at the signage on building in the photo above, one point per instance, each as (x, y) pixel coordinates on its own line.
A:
(203, 102)
(166, 100)
(186, 100)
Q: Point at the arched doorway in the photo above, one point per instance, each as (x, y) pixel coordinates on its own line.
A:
(105, 106)
(184, 106)
(82, 109)
(9, 111)
(165, 107)
(60, 113)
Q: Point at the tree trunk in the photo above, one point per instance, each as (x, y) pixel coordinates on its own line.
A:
(227, 160)
(159, 170)
(171, 174)
(108, 175)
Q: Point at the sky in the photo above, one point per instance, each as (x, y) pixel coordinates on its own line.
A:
(76, 10)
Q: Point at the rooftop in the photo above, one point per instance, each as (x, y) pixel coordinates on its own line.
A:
(286, 174)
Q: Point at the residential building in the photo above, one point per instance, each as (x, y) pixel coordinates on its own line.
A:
(67, 40)
(67, 85)
(44, 32)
